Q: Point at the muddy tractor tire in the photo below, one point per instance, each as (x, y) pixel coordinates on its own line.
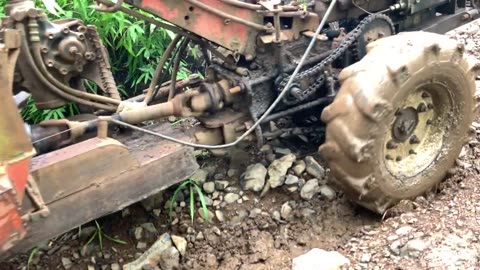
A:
(400, 119)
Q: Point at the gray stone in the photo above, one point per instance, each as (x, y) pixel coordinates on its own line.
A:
(220, 216)
(366, 258)
(307, 212)
(208, 201)
(309, 190)
(313, 168)
(141, 245)
(319, 259)
(152, 255)
(255, 212)
(170, 259)
(231, 189)
(327, 192)
(277, 216)
(239, 218)
(115, 266)
(154, 201)
(138, 233)
(180, 243)
(157, 212)
(231, 198)
(87, 232)
(221, 185)
(149, 227)
(202, 214)
(278, 169)
(209, 187)
(395, 247)
(200, 176)
(67, 263)
(291, 180)
(286, 211)
(232, 172)
(200, 236)
(282, 151)
(299, 167)
(403, 230)
(219, 176)
(413, 248)
(254, 177)
(292, 189)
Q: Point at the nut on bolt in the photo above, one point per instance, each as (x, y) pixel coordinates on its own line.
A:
(414, 140)
(391, 145)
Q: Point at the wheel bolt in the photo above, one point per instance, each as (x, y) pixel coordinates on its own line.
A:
(430, 106)
(414, 140)
(425, 95)
(412, 152)
(429, 122)
(399, 158)
(391, 145)
(422, 107)
(388, 157)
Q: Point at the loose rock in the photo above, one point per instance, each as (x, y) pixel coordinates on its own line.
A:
(152, 255)
(231, 198)
(254, 177)
(200, 176)
(286, 211)
(327, 192)
(299, 167)
(209, 187)
(278, 169)
(221, 185)
(309, 189)
(180, 243)
(220, 216)
(291, 180)
(318, 259)
(170, 259)
(313, 168)
(66, 262)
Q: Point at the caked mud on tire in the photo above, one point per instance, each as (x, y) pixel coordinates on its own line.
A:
(400, 118)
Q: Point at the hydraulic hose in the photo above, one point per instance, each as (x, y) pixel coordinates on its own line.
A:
(265, 115)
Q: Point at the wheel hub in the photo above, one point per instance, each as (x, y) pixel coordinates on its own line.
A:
(416, 133)
(405, 124)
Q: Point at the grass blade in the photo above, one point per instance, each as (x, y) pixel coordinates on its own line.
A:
(100, 240)
(174, 197)
(192, 204)
(32, 255)
(115, 240)
(202, 201)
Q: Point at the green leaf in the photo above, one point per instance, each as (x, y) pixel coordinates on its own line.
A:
(202, 200)
(174, 197)
(31, 256)
(192, 204)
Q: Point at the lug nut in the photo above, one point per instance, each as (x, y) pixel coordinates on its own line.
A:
(412, 152)
(399, 158)
(388, 157)
(414, 140)
(429, 122)
(430, 106)
(391, 145)
(422, 107)
(425, 95)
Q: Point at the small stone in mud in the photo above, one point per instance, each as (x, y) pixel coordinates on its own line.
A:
(209, 187)
(277, 216)
(221, 185)
(138, 233)
(202, 214)
(413, 248)
(170, 259)
(115, 266)
(200, 176)
(66, 262)
(141, 245)
(220, 216)
(313, 168)
(395, 247)
(299, 167)
(365, 258)
(286, 211)
(291, 180)
(180, 243)
(309, 189)
(231, 198)
(232, 172)
(254, 177)
(403, 230)
(278, 169)
(327, 192)
(200, 236)
(307, 212)
(282, 151)
(319, 259)
(255, 212)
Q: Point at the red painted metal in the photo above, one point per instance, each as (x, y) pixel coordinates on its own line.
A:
(232, 35)
(11, 224)
(18, 173)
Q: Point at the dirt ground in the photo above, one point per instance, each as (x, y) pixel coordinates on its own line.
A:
(440, 230)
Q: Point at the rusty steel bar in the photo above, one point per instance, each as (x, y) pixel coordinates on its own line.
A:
(176, 66)
(242, 4)
(229, 16)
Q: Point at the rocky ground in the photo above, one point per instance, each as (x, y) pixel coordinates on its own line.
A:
(269, 214)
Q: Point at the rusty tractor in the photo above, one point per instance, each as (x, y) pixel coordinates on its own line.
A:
(397, 107)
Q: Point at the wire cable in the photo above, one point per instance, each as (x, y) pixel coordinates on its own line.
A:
(260, 120)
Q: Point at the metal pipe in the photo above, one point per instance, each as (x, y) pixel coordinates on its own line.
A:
(242, 4)
(176, 66)
(228, 16)
(298, 108)
(153, 83)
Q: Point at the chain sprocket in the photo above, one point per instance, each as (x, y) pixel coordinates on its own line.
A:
(316, 70)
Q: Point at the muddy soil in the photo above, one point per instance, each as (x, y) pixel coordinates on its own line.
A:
(440, 230)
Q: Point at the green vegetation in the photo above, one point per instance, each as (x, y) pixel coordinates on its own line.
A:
(100, 235)
(193, 187)
(134, 46)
